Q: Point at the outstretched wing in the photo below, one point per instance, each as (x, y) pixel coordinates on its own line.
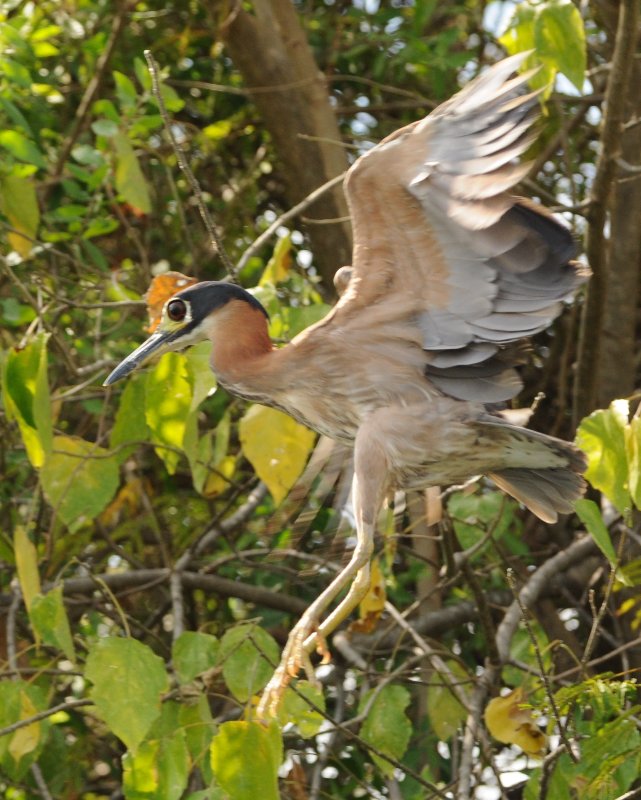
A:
(438, 236)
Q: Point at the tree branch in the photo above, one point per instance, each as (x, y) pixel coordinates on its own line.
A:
(192, 580)
(534, 588)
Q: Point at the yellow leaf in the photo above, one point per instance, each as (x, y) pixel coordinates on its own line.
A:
(19, 203)
(279, 264)
(27, 564)
(25, 391)
(168, 396)
(509, 722)
(373, 604)
(25, 740)
(276, 446)
(220, 480)
(127, 503)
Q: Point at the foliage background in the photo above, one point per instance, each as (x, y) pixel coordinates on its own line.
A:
(153, 553)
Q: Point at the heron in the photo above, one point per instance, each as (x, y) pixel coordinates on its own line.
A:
(450, 274)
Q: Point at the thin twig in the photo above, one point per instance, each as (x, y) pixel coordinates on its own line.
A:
(40, 782)
(49, 712)
(472, 723)
(544, 676)
(596, 623)
(293, 212)
(177, 604)
(214, 235)
(329, 739)
(547, 769)
(449, 679)
(534, 588)
(633, 794)
(634, 169)
(227, 525)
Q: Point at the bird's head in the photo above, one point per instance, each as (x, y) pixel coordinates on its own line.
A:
(187, 318)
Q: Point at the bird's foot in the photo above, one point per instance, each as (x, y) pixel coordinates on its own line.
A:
(295, 657)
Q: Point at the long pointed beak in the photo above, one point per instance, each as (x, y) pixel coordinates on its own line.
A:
(154, 345)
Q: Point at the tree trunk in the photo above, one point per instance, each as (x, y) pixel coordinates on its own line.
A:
(270, 49)
(617, 367)
(603, 295)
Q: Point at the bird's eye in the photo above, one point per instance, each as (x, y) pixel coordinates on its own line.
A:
(176, 310)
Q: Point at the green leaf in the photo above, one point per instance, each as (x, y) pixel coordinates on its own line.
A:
(158, 770)
(249, 656)
(125, 90)
(633, 454)
(45, 33)
(590, 516)
(218, 130)
(140, 772)
(79, 479)
(297, 709)
(25, 390)
(14, 313)
(199, 728)
(100, 227)
(130, 424)
(602, 436)
(130, 182)
(174, 764)
(15, 115)
(245, 757)
(19, 204)
(519, 37)
(105, 127)
(444, 709)
(297, 318)
(276, 446)
(559, 37)
(15, 72)
(26, 557)
(128, 680)
(202, 379)
(49, 619)
(22, 148)
(87, 155)
(386, 726)
(194, 653)
(20, 700)
(168, 396)
(142, 73)
(170, 98)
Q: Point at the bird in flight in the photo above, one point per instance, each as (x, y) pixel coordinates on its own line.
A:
(450, 273)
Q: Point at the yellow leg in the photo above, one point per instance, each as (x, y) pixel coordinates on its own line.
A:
(370, 480)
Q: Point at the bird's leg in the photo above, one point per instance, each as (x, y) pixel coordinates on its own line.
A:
(368, 490)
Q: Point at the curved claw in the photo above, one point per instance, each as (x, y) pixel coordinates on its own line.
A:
(294, 658)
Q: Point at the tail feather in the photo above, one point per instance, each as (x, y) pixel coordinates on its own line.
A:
(546, 490)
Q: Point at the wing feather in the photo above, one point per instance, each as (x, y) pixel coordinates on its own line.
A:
(435, 228)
